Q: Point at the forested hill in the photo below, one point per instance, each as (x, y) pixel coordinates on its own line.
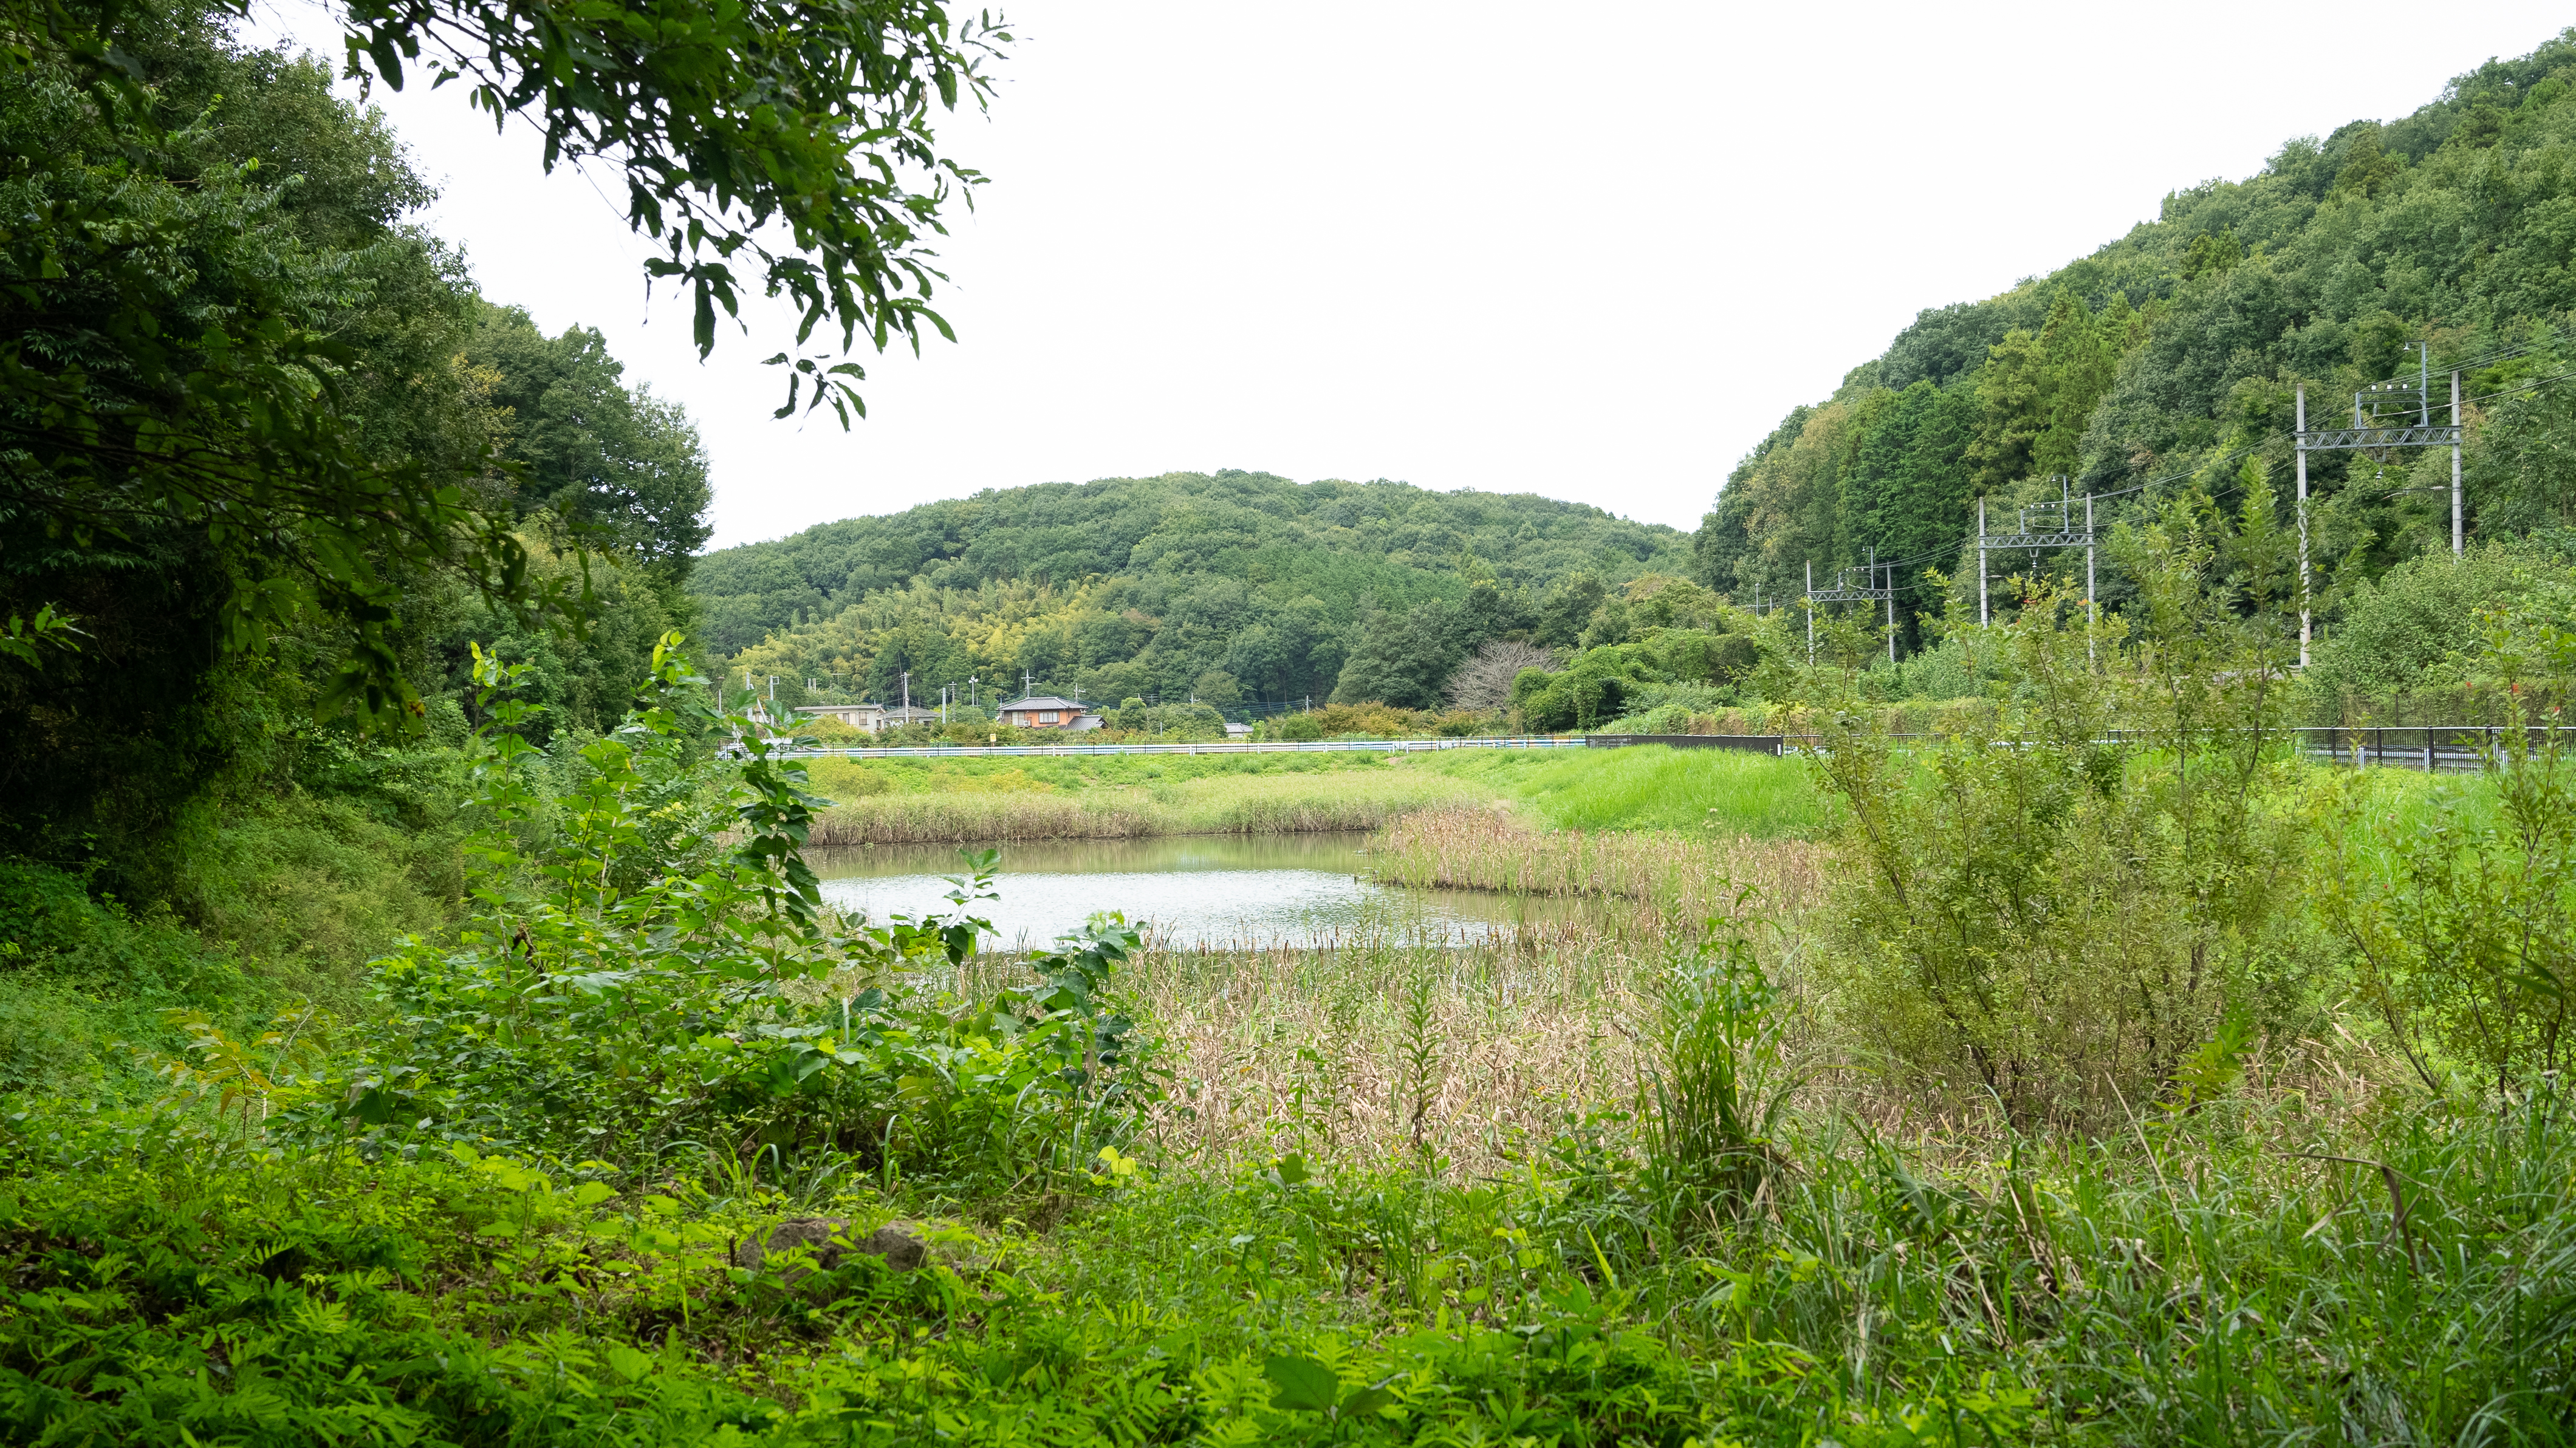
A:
(1141, 586)
(2175, 349)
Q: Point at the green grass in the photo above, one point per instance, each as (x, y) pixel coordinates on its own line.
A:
(1646, 787)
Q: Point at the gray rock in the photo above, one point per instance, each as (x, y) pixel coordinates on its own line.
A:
(831, 1243)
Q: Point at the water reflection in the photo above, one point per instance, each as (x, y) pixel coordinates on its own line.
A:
(1193, 891)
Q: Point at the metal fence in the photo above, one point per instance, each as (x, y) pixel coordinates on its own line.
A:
(2433, 748)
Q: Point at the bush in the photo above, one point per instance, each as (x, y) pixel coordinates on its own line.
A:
(2031, 914)
(633, 987)
(2409, 648)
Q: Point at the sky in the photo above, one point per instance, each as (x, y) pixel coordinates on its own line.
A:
(1590, 252)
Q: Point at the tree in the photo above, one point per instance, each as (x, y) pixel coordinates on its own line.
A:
(1399, 659)
(794, 135)
(1568, 607)
(2038, 390)
(1484, 682)
(169, 359)
(625, 465)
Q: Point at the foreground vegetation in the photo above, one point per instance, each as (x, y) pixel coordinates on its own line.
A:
(656, 1150)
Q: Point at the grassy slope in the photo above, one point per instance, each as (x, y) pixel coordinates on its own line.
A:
(1644, 788)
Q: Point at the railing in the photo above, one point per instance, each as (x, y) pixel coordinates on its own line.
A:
(2432, 748)
(1231, 746)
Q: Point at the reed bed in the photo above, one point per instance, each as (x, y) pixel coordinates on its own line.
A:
(1682, 877)
(1220, 805)
(1374, 1050)
(1388, 1041)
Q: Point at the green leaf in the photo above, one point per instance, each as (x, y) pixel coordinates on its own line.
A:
(629, 1364)
(591, 1194)
(1366, 1400)
(1304, 1385)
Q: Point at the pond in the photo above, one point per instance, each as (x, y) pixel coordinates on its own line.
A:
(1192, 891)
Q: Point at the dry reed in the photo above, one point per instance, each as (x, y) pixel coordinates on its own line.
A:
(1279, 1048)
(1677, 878)
(1245, 804)
(1290, 1049)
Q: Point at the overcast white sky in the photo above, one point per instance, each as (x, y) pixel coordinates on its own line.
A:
(1590, 252)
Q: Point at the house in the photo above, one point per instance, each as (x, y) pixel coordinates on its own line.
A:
(1044, 711)
(867, 718)
(871, 718)
(1238, 731)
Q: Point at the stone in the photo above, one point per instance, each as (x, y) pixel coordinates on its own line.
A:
(829, 1239)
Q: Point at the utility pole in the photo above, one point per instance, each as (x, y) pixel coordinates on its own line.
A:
(1811, 613)
(2302, 426)
(907, 695)
(2455, 464)
(1981, 563)
(2092, 614)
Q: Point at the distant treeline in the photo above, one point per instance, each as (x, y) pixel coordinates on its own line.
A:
(1227, 585)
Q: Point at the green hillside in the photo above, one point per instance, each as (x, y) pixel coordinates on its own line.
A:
(1232, 582)
(2173, 352)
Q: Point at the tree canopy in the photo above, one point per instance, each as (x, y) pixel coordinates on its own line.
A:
(263, 445)
(1142, 586)
(210, 285)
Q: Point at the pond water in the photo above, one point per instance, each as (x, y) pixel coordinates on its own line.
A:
(1192, 891)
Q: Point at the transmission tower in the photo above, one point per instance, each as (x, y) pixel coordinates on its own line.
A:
(2374, 433)
(2052, 527)
(1843, 592)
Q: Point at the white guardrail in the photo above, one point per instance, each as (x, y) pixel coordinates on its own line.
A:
(1231, 746)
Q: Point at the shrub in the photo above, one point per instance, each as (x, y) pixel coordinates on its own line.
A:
(635, 986)
(2032, 912)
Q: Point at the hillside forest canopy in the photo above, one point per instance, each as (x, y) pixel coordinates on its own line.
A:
(1232, 586)
(2171, 356)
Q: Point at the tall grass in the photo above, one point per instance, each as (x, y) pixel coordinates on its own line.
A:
(1672, 882)
(1374, 1052)
(1215, 805)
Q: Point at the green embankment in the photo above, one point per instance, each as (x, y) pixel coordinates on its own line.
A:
(1647, 787)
